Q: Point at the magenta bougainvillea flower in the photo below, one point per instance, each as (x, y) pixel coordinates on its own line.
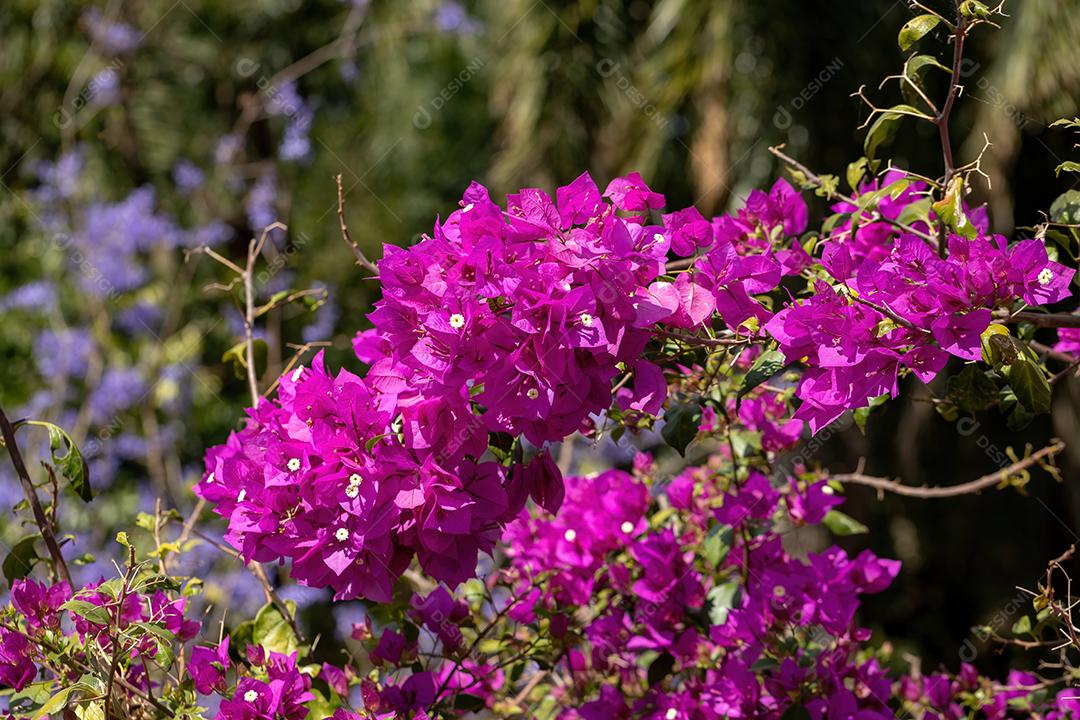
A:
(518, 323)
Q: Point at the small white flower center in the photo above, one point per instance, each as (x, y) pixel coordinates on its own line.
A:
(586, 319)
(457, 321)
(297, 373)
(210, 478)
(570, 535)
(1046, 275)
(533, 393)
(827, 489)
(251, 696)
(353, 490)
(467, 208)
(627, 527)
(294, 464)
(342, 534)
(241, 495)
(658, 237)
(671, 714)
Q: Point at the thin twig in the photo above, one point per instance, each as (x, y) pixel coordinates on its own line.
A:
(114, 664)
(708, 342)
(1051, 320)
(884, 310)
(974, 486)
(361, 259)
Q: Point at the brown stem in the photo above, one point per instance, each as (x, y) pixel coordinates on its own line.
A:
(361, 259)
(942, 119)
(707, 342)
(895, 486)
(249, 323)
(1051, 320)
(132, 567)
(514, 600)
(884, 310)
(59, 565)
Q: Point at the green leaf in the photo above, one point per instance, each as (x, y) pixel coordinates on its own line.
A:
(974, 9)
(1022, 626)
(768, 364)
(20, 561)
(827, 186)
(997, 347)
(1066, 122)
(917, 63)
(856, 171)
(950, 209)
(1029, 383)
(681, 423)
(721, 599)
(1067, 166)
(37, 693)
(660, 668)
(915, 29)
(94, 613)
(273, 631)
(55, 704)
(918, 211)
(1020, 367)
(841, 524)
(237, 357)
(971, 389)
(884, 128)
(157, 631)
(717, 545)
(70, 463)
(861, 415)
(1066, 208)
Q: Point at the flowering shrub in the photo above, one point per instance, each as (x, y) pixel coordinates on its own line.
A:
(698, 589)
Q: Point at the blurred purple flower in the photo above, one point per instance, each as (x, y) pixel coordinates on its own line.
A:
(451, 16)
(38, 295)
(119, 389)
(187, 176)
(260, 206)
(63, 353)
(116, 38)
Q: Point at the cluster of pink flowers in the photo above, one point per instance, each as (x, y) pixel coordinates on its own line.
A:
(269, 686)
(897, 304)
(735, 258)
(749, 631)
(513, 322)
(743, 613)
(514, 325)
(509, 322)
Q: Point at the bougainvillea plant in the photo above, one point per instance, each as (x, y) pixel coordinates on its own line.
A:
(427, 479)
